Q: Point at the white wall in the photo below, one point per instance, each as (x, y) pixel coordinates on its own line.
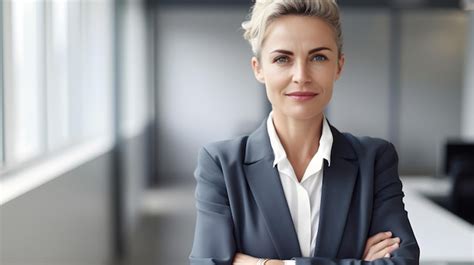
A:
(467, 128)
(64, 221)
(206, 89)
(433, 50)
(364, 84)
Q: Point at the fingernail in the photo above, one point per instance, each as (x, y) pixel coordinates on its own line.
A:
(388, 233)
(396, 245)
(397, 239)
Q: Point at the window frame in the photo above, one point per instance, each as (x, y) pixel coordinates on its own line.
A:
(2, 110)
(10, 167)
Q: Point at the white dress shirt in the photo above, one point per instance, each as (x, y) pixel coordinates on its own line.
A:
(303, 198)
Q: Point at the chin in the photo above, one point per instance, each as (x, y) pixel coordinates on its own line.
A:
(303, 113)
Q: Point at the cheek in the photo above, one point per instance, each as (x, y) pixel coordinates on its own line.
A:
(276, 80)
(274, 89)
(270, 96)
(325, 77)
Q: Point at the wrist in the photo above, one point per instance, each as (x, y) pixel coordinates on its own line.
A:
(274, 262)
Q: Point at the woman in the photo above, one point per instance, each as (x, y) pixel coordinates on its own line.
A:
(297, 191)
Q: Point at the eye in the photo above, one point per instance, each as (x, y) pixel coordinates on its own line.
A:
(319, 58)
(281, 59)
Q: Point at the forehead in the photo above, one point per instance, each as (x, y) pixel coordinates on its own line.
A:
(292, 31)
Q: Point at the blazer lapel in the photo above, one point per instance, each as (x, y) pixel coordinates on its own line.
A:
(338, 184)
(265, 184)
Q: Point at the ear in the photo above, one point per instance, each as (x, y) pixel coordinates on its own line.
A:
(340, 65)
(257, 70)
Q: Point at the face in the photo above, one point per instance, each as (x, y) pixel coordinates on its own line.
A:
(298, 64)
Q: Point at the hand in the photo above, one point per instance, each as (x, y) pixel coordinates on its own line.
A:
(380, 246)
(242, 259)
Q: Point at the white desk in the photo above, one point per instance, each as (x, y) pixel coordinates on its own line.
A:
(441, 235)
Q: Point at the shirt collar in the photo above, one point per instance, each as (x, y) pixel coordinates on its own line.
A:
(325, 142)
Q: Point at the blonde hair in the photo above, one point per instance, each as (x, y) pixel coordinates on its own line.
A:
(264, 12)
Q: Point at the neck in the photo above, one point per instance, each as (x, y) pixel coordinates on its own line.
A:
(300, 138)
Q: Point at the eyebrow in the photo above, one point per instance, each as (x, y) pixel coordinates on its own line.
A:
(310, 52)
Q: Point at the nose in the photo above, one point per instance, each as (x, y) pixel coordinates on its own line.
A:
(301, 74)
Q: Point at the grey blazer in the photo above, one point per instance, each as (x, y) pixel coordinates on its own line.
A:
(241, 206)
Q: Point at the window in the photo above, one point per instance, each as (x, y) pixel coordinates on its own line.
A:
(58, 87)
(1, 86)
(24, 81)
(57, 76)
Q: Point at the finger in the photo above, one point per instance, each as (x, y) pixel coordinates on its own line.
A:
(376, 239)
(379, 237)
(386, 251)
(384, 244)
(379, 254)
(377, 250)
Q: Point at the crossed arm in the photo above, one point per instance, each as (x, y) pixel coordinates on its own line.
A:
(378, 246)
(388, 215)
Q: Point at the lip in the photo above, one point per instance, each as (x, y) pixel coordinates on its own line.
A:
(301, 95)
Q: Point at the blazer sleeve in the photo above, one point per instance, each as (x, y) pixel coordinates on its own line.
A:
(214, 241)
(389, 214)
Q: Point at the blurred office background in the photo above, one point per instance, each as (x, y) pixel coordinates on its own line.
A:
(105, 103)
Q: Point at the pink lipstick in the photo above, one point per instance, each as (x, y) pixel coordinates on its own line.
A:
(301, 95)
